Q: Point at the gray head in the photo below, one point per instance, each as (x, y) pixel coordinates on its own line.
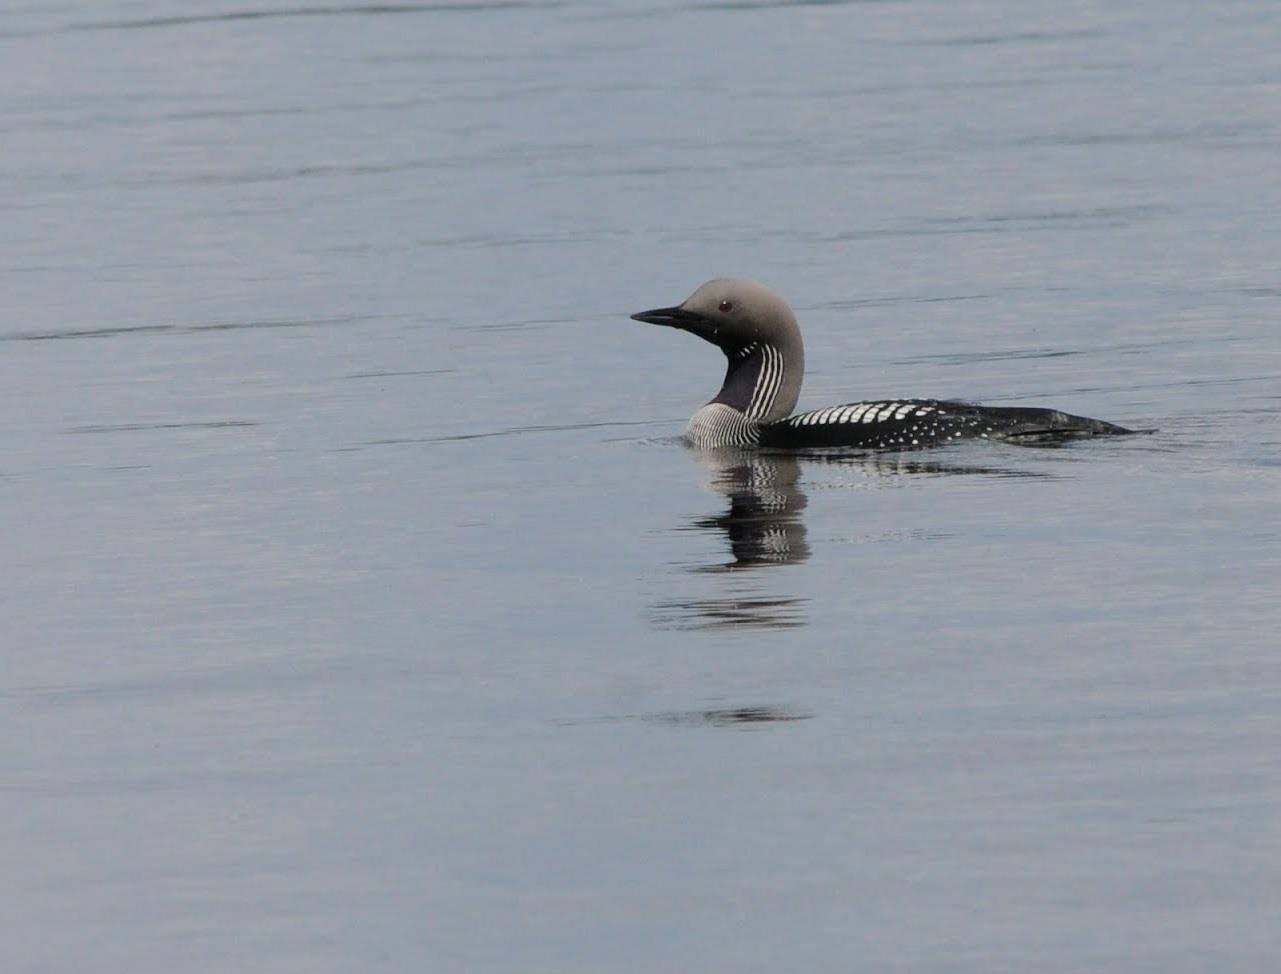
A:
(758, 333)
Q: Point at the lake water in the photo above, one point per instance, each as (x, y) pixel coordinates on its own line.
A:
(363, 612)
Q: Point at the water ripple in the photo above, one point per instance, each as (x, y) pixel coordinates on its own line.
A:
(695, 615)
(138, 427)
(714, 717)
(337, 10)
(117, 330)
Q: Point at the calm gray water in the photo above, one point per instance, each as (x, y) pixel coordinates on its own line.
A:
(361, 611)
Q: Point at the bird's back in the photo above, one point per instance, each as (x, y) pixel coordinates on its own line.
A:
(907, 423)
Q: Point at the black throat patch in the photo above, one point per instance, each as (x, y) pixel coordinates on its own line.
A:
(741, 376)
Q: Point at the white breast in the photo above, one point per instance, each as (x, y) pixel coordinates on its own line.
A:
(717, 424)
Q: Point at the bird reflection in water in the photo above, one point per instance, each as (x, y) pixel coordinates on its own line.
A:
(763, 523)
(765, 529)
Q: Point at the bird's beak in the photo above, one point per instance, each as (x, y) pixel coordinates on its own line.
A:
(690, 321)
(672, 317)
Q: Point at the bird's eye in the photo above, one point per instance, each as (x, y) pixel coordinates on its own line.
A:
(726, 306)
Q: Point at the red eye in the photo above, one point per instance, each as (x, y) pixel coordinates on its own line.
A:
(726, 306)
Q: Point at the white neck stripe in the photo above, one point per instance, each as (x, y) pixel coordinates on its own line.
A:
(768, 381)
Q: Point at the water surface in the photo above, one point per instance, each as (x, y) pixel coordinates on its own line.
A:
(363, 611)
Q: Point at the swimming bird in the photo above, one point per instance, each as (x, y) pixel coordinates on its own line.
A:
(758, 333)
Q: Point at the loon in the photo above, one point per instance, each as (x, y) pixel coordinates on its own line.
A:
(758, 333)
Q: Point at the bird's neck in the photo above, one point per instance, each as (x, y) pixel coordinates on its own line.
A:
(757, 383)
